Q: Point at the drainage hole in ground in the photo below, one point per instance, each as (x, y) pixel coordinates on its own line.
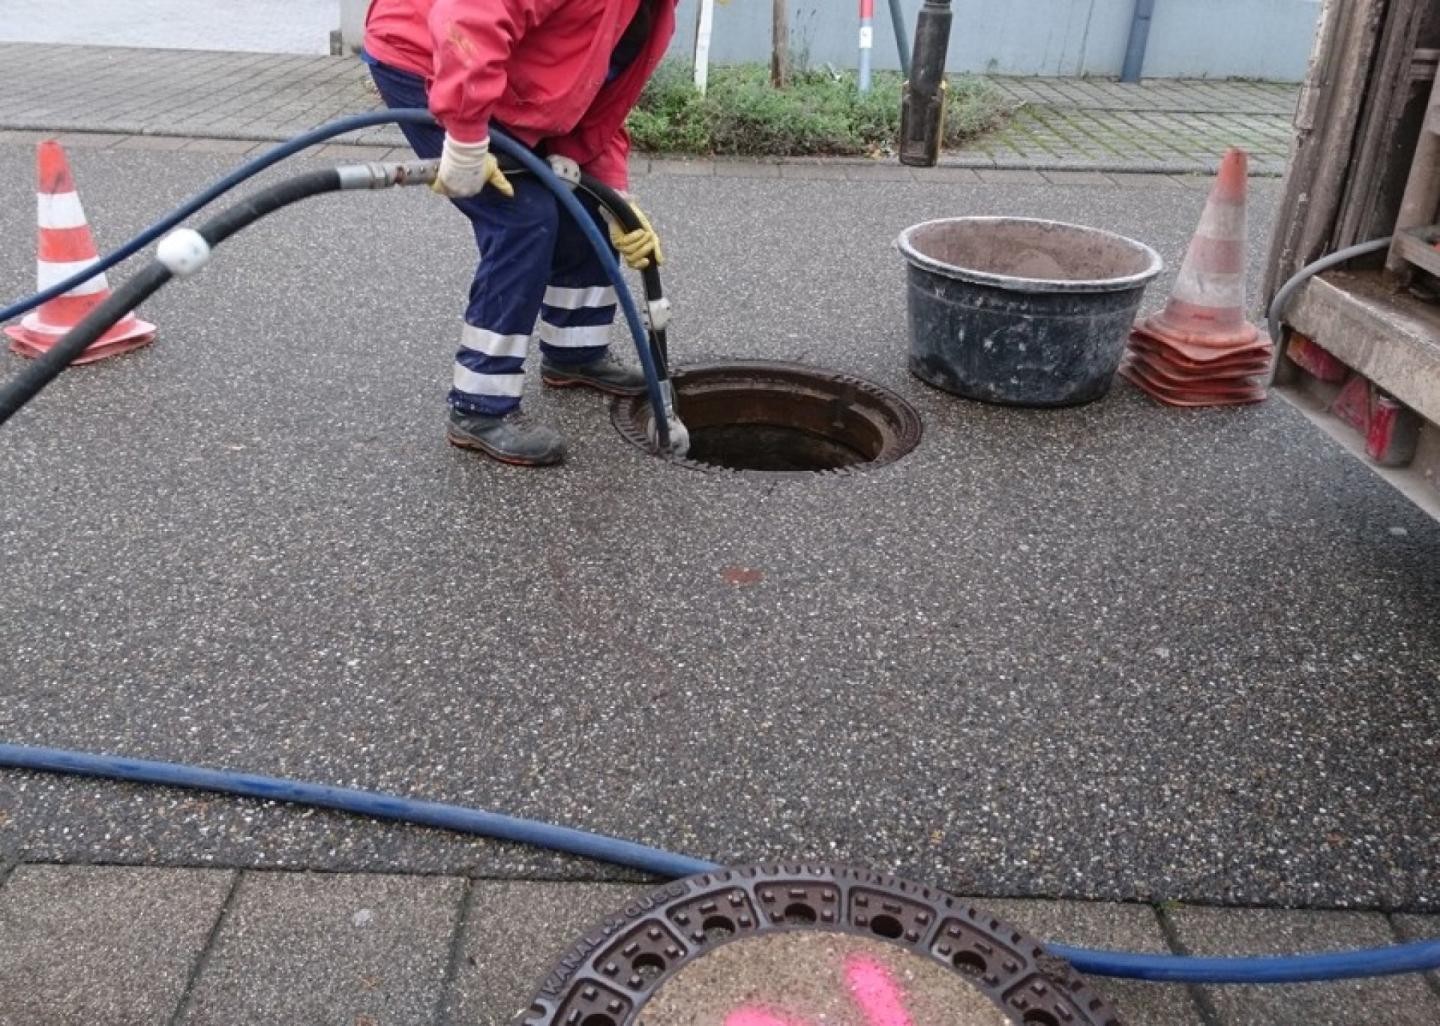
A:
(771, 448)
(781, 418)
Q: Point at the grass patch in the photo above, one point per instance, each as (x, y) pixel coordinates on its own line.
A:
(820, 114)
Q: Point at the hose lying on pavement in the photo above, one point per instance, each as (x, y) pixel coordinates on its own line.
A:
(1404, 958)
(363, 803)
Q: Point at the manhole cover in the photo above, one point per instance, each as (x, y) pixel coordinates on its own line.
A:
(781, 418)
(810, 946)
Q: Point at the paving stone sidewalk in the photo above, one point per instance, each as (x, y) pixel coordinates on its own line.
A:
(1076, 124)
(134, 947)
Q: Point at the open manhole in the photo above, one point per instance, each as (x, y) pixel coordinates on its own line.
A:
(809, 945)
(780, 418)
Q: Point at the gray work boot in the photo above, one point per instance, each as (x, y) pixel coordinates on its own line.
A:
(510, 439)
(606, 374)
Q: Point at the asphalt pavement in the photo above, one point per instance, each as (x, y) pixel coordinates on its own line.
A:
(1116, 652)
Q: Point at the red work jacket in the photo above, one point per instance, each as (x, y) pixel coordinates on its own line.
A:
(537, 67)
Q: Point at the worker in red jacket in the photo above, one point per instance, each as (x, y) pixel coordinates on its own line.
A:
(560, 76)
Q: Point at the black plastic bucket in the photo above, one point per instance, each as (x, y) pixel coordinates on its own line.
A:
(1021, 311)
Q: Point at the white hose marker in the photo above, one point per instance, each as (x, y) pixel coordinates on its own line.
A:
(566, 170)
(704, 29)
(657, 314)
(678, 432)
(183, 252)
(679, 436)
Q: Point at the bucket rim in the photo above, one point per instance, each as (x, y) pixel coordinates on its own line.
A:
(1154, 263)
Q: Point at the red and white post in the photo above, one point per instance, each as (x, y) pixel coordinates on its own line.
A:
(867, 42)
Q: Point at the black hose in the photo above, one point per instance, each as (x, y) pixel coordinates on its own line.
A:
(35, 377)
(629, 221)
(267, 201)
(47, 367)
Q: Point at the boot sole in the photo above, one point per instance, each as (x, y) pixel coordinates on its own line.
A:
(469, 444)
(594, 386)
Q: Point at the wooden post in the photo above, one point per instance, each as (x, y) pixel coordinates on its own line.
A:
(1419, 204)
(1358, 110)
(1328, 115)
(780, 44)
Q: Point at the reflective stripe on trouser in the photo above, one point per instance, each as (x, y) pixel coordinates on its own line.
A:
(535, 267)
(575, 321)
(579, 305)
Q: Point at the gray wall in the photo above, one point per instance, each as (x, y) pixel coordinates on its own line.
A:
(1189, 38)
(352, 22)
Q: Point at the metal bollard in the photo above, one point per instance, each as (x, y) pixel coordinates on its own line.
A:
(922, 120)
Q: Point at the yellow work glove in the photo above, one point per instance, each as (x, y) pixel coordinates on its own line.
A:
(637, 247)
(466, 168)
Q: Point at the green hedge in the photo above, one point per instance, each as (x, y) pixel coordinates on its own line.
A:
(819, 114)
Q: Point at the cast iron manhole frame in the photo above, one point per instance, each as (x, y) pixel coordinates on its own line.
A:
(890, 414)
(607, 977)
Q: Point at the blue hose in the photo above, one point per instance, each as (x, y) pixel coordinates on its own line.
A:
(1404, 958)
(362, 803)
(1418, 957)
(399, 115)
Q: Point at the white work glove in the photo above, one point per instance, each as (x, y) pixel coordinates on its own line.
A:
(466, 168)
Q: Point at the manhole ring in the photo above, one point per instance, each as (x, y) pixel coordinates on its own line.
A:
(783, 944)
(780, 418)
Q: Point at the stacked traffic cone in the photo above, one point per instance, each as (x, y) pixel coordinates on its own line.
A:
(1200, 350)
(66, 247)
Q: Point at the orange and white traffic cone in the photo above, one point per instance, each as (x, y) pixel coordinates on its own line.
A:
(66, 248)
(1200, 350)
